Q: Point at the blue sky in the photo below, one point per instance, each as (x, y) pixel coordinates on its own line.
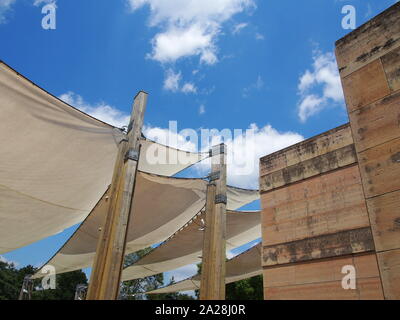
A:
(218, 64)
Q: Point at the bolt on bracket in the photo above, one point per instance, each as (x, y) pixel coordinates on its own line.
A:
(132, 155)
(214, 176)
(221, 198)
(217, 150)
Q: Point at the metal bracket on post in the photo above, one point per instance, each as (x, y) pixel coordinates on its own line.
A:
(221, 198)
(203, 225)
(131, 155)
(130, 126)
(216, 150)
(214, 176)
(80, 292)
(27, 287)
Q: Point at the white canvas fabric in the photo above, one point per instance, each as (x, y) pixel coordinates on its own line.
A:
(243, 266)
(161, 206)
(166, 161)
(185, 247)
(56, 162)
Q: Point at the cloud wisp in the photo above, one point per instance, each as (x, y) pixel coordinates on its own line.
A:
(239, 27)
(202, 109)
(188, 29)
(5, 8)
(172, 83)
(321, 87)
(245, 147)
(101, 110)
(256, 86)
(5, 260)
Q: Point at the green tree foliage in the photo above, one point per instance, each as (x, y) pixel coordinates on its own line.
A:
(247, 289)
(134, 289)
(11, 280)
(8, 281)
(65, 287)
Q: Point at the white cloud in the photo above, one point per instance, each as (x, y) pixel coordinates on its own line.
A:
(209, 56)
(310, 105)
(5, 260)
(171, 81)
(177, 43)
(101, 110)
(181, 273)
(319, 87)
(40, 2)
(239, 27)
(5, 7)
(189, 27)
(169, 138)
(244, 151)
(202, 109)
(257, 85)
(369, 11)
(247, 153)
(189, 88)
(259, 36)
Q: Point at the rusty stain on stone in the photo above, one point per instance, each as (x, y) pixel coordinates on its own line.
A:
(376, 49)
(368, 169)
(361, 131)
(388, 43)
(342, 68)
(271, 256)
(362, 57)
(390, 98)
(325, 246)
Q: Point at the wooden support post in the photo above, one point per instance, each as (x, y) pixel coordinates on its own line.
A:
(107, 267)
(212, 286)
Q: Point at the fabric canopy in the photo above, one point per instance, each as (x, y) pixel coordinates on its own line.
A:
(166, 161)
(243, 266)
(161, 206)
(185, 247)
(56, 162)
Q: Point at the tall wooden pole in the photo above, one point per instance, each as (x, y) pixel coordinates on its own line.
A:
(212, 286)
(107, 268)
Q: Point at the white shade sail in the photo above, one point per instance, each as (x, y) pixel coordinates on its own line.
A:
(56, 162)
(161, 206)
(185, 247)
(243, 266)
